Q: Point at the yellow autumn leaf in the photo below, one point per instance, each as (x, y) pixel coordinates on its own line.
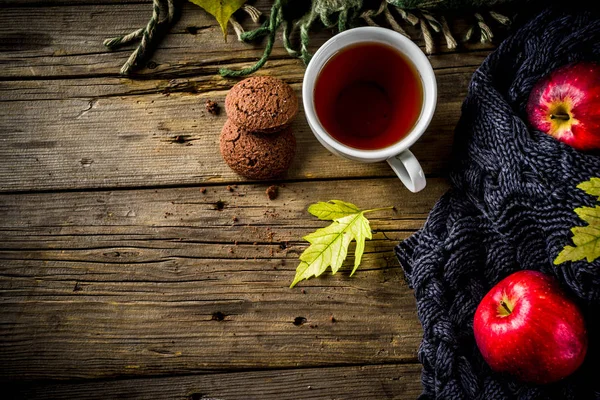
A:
(329, 245)
(222, 10)
(332, 209)
(585, 238)
(591, 187)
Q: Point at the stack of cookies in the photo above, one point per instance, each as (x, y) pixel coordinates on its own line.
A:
(257, 141)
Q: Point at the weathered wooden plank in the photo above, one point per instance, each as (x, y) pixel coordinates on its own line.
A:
(366, 382)
(108, 133)
(239, 316)
(455, 69)
(216, 216)
(146, 282)
(67, 41)
(100, 227)
(68, 3)
(77, 142)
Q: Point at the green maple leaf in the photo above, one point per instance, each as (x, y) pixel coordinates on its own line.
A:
(221, 10)
(591, 187)
(333, 209)
(585, 238)
(329, 245)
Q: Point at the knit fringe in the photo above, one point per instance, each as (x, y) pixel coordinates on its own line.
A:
(342, 14)
(337, 14)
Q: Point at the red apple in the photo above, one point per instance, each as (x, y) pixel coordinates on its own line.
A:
(566, 105)
(526, 326)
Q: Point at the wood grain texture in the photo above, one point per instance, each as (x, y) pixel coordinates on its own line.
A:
(67, 41)
(135, 264)
(71, 131)
(358, 383)
(70, 3)
(149, 282)
(108, 133)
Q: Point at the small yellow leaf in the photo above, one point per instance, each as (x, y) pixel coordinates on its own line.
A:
(222, 10)
(332, 209)
(587, 245)
(361, 231)
(329, 245)
(591, 215)
(585, 238)
(591, 187)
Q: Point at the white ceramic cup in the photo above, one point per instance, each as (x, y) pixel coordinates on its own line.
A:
(398, 155)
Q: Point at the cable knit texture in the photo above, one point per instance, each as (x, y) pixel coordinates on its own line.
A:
(510, 208)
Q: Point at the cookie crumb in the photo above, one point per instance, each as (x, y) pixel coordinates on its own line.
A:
(203, 190)
(229, 188)
(272, 192)
(212, 107)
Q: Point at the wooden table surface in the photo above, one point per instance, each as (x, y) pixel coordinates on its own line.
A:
(121, 278)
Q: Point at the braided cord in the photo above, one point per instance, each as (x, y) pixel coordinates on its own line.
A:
(340, 14)
(147, 35)
(138, 54)
(121, 40)
(269, 29)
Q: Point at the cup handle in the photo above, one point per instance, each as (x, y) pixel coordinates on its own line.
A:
(408, 169)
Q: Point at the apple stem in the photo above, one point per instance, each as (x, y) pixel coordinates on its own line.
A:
(505, 306)
(562, 117)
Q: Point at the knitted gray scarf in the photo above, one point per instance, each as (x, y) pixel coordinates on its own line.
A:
(510, 208)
